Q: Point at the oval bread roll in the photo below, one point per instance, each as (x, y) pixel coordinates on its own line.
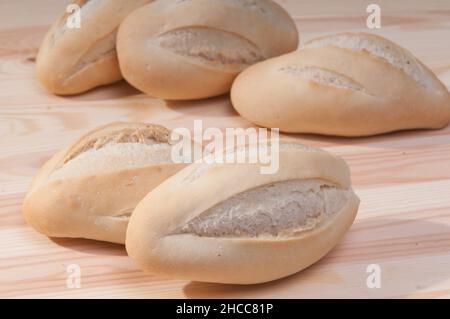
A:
(227, 223)
(350, 84)
(192, 49)
(89, 189)
(75, 60)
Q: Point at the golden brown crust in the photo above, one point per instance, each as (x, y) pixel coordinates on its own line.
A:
(75, 60)
(157, 248)
(337, 90)
(96, 205)
(194, 49)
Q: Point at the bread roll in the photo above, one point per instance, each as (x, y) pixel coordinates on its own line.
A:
(227, 223)
(75, 60)
(350, 84)
(194, 49)
(89, 189)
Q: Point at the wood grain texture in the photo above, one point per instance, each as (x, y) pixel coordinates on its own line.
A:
(403, 179)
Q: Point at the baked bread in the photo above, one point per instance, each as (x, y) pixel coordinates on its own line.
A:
(180, 50)
(350, 84)
(208, 223)
(89, 189)
(75, 60)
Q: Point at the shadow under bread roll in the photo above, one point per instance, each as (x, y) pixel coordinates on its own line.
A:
(75, 60)
(89, 189)
(228, 223)
(180, 50)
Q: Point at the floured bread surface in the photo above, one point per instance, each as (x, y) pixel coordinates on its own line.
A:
(323, 76)
(74, 59)
(381, 48)
(119, 133)
(232, 224)
(350, 84)
(113, 157)
(211, 47)
(192, 49)
(89, 189)
(104, 48)
(281, 209)
(284, 145)
(116, 146)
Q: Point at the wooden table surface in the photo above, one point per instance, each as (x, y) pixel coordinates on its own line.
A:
(403, 179)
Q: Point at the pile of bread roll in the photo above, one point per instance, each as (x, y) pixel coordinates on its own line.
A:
(204, 221)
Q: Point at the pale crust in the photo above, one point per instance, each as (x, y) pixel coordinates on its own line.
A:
(92, 206)
(62, 50)
(162, 73)
(152, 243)
(389, 99)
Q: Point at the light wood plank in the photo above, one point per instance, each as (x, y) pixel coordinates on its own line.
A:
(403, 178)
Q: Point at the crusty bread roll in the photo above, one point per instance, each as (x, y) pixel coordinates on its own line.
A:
(193, 49)
(227, 223)
(351, 84)
(89, 189)
(75, 60)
